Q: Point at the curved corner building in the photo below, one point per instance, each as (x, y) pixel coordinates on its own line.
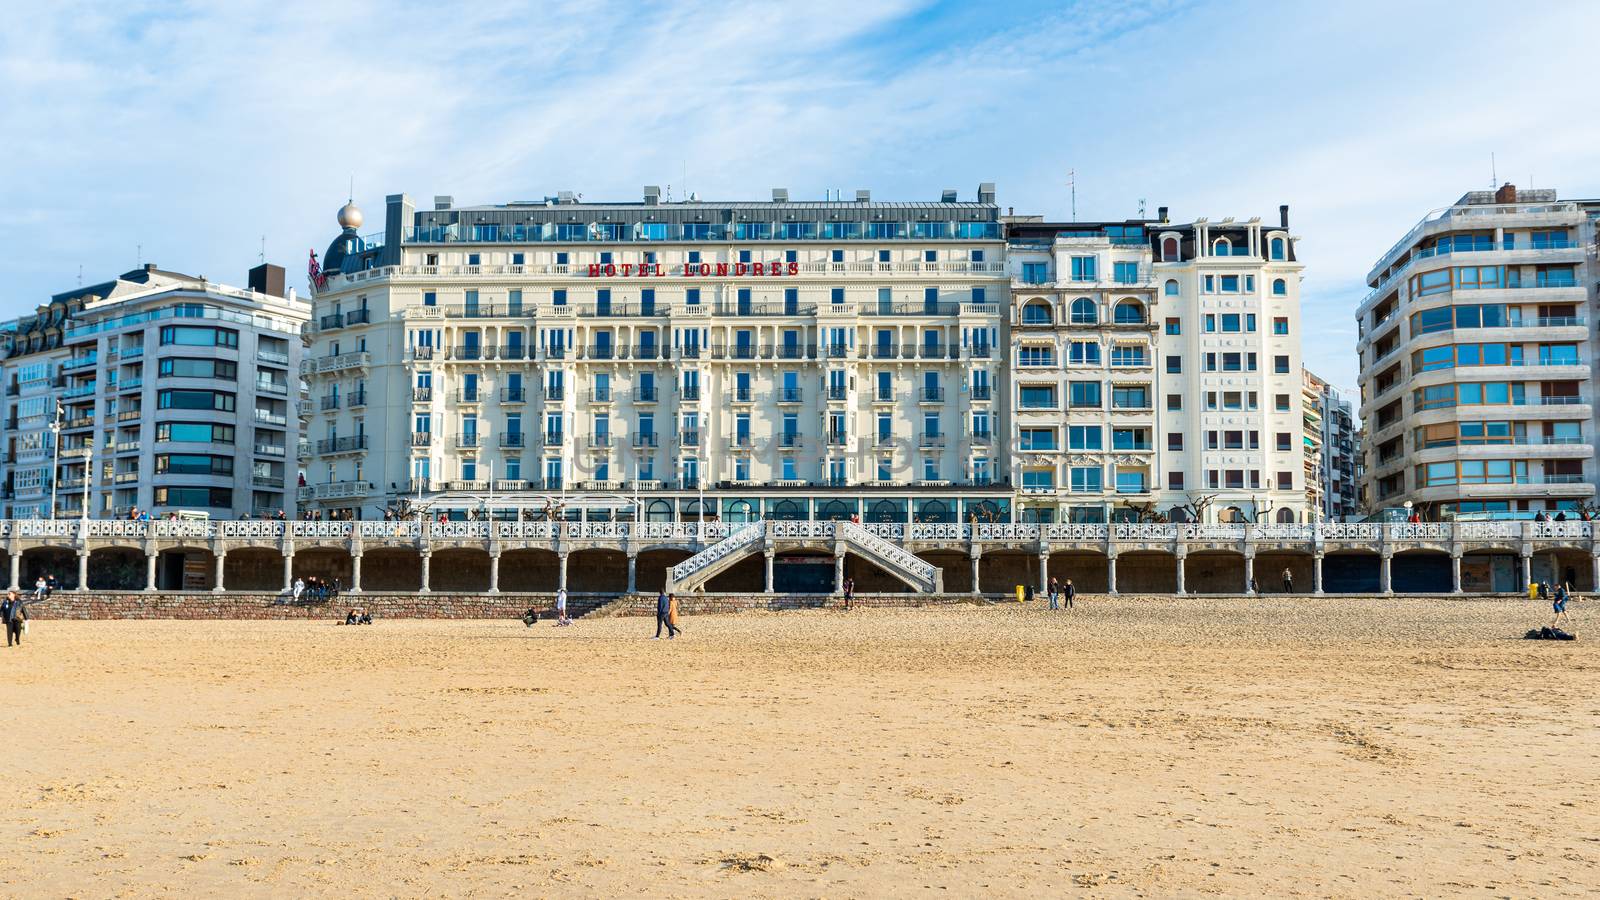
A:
(1477, 360)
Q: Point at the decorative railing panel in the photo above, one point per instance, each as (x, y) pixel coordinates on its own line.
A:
(746, 535)
(892, 555)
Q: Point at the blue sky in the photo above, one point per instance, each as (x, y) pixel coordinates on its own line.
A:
(183, 133)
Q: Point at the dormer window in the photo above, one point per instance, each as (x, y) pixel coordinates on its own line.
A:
(1222, 247)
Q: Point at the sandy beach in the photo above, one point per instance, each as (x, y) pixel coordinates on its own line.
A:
(1130, 747)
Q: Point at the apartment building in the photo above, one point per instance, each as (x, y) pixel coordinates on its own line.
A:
(156, 390)
(1477, 359)
(1332, 450)
(664, 359)
(1156, 368)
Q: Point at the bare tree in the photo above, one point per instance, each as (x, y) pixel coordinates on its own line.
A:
(1196, 508)
(1147, 512)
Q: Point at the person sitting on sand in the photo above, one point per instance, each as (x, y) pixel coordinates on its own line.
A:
(350, 618)
(366, 618)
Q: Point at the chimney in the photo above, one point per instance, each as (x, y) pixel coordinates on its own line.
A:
(267, 279)
(1506, 194)
(1161, 214)
(652, 195)
(986, 192)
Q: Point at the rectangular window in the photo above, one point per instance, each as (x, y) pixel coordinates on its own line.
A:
(194, 432)
(179, 399)
(1230, 284)
(1175, 481)
(198, 368)
(1173, 326)
(1174, 365)
(1083, 268)
(1125, 272)
(1085, 437)
(1280, 365)
(1174, 440)
(1038, 396)
(1174, 401)
(1085, 395)
(1084, 353)
(1280, 325)
(1087, 479)
(197, 336)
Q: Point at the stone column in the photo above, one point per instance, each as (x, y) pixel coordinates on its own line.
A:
(1455, 573)
(769, 555)
(494, 573)
(1182, 561)
(16, 571)
(838, 572)
(355, 574)
(221, 560)
(1316, 574)
(288, 573)
(1594, 564)
(1249, 574)
(978, 588)
(1384, 584)
(562, 582)
(633, 572)
(1044, 572)
(83, 569)
(427, 558)
(1527, 569)
(1111, 575)
(150, 570)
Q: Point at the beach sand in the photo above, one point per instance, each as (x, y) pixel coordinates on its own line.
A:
(1130, 747)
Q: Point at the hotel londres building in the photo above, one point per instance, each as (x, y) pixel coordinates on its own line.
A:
(1477, 360)
(931, 361)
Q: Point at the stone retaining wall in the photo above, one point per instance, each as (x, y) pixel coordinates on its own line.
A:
(170, 605)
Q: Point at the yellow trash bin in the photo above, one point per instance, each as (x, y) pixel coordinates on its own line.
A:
(1020, 593)
(1533, 590)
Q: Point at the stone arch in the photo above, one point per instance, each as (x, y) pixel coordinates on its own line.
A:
(1000, 571)
(1147, 572)
(1128, 311)
(870, 578)
(1088, 569)
(115, 569)
(1084, 312)
(1421, 571)
(650, 570)
(1214, 572)
(328, 563)
(957, 568)
(250, 569)
(1269, 571)
(1352, 572)
(747, 576)
(1285, 516)
(395, 569)
(597, 570)
(37, 562)
(186, 568)
(456, 570)
(530, 570)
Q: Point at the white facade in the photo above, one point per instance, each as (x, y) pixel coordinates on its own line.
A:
(173, 394)
(1477, 360)
(643, 356)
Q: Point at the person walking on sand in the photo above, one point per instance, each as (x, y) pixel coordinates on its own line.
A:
(13, 612)
(1053, 592)
(849, 592)
(664, 608)
(561, 607)
(1068, 592)
(1288, 581)
(1559, 604)
(672, 616)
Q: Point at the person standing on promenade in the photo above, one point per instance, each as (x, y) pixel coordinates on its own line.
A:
(664, 609)
(1288, 581)
(13, 612)
(1068, 592)
(561, 607)
(1053, 592)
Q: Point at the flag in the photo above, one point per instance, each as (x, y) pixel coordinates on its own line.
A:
(314, 272)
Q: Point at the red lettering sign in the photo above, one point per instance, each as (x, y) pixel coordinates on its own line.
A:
(695, 270)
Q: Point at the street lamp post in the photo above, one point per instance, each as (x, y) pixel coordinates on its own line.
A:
(55, 467)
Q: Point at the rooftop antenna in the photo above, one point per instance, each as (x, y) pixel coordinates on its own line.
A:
(80, 274)
(1072, 183)
(1141, 207)
(1494, 179)
(138, 253)
(263, 255)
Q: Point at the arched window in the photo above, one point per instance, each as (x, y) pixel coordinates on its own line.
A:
(1171, 288)
(1178, 514)
(1083, 312)
(658, 511)
(1169, 250)
(788, 510)
(741, 511)
(886, 511)
(936, 511)
(1128, 312)
(1222, 247)
(1286, 516)
(1232, 514)
(1277, 248)
(835, 511)
(1036, 312)
(1280, 288)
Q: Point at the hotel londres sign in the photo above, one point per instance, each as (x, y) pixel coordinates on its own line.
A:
(694, 270)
